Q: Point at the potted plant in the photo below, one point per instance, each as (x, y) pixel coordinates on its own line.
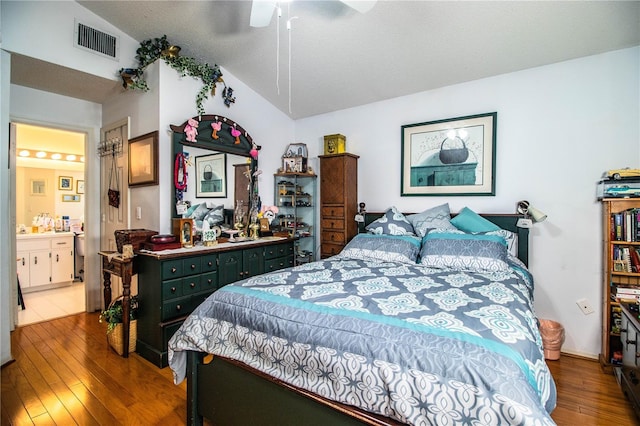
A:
(113, 317)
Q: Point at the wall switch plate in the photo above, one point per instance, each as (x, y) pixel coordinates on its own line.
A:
(585, 306)
(524, 223)
(138, 213)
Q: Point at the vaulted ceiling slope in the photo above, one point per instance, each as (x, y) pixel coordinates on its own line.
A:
(341, 58)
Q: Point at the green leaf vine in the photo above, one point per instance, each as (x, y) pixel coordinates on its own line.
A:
(159, 48)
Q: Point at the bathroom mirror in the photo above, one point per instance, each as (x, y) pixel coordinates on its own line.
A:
(38, 187)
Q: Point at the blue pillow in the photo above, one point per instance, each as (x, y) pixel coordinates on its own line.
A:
(449, 249)
(435, 217)
(382, 248)
(469, 221)
(392, 222)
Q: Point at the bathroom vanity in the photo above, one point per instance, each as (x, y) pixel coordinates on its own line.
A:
(45, 260)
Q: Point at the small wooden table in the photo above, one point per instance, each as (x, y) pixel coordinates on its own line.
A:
(114, 264)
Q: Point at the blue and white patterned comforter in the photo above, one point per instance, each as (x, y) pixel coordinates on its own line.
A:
(420, 345)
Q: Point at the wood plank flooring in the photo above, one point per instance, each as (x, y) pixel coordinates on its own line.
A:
(64, 373)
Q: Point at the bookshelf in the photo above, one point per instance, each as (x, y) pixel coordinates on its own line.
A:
(621, 270)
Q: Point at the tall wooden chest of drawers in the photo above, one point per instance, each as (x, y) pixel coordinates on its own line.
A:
(338, 201)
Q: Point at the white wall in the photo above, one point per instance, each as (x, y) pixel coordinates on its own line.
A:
(559, 127)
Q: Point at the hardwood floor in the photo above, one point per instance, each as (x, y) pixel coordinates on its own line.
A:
(64, 373)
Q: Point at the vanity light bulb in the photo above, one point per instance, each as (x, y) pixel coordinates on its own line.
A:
(71, 157)
(56, 156)
(24, 153)
(82, 159)
(41, 154)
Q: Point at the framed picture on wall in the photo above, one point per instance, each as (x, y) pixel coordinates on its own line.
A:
(454, 156)
(211, 176)
(143, 160)
(79, 187)
(65, 183)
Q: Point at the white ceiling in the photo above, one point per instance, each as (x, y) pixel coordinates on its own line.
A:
(341, 58)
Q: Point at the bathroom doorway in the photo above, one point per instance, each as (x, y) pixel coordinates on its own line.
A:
(49, 197)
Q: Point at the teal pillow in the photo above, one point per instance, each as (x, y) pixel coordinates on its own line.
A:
(469, 221)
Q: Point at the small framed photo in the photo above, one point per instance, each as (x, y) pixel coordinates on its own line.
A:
(65, 183)
(79, 187)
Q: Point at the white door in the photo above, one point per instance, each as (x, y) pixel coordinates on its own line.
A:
(114, 175)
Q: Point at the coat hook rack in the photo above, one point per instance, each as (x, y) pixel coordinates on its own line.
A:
(111, 146)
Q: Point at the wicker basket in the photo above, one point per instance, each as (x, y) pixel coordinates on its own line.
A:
(114, 337)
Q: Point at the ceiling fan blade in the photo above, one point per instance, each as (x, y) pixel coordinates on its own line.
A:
(362, 6)
(261, 13)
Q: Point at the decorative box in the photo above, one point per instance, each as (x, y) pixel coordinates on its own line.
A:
(334, 144)
(135, 237)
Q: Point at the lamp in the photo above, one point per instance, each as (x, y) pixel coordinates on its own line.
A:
(531, 214)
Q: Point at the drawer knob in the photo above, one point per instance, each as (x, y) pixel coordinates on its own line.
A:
(173, 270)
(173, 289)
(178, 307)
(209, 281)
(192, 285)
(209, 263)
(193, 266)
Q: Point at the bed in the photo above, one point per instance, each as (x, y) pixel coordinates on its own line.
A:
(436, 328)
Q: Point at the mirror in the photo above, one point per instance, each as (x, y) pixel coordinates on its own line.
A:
(198, 136)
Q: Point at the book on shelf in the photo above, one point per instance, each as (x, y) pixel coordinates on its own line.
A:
(624, 225)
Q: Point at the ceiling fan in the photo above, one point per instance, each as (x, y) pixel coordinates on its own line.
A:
(262, 10)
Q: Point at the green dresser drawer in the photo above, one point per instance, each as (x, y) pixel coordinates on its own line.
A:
(172, 269)
(278, 263)
(169, 331)
(171, 289)
(209, 281)
(209, 263)
(192, 265)
(176, 307)
(278, 250)
(191, 285)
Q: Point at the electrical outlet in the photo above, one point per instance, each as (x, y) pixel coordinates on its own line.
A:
(585, 306)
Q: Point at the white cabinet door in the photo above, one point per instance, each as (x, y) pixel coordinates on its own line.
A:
(23, 268)
(61, 265)
(40, 267)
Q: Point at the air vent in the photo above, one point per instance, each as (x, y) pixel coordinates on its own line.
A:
(96, 41)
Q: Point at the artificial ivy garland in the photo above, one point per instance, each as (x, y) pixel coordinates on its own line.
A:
(153, 49)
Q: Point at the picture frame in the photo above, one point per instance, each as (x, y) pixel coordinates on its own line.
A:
(454, 156)
(143, 160)
(211, 176)
(65, 183)
(70, 198)
(79, 187)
